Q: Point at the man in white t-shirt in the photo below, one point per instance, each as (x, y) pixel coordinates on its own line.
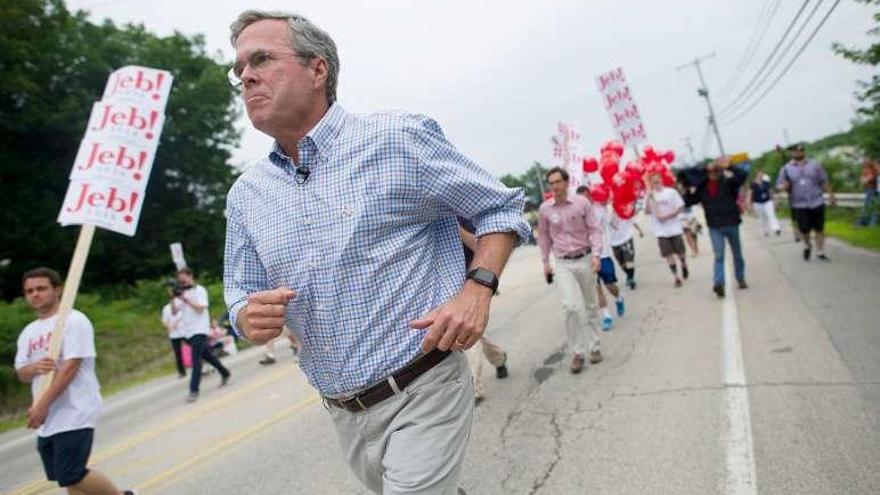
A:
(66, 413)
(195, 323)
(664, 204)
(171, 319)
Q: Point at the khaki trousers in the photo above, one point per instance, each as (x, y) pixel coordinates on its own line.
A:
(493, 353)
(413, 442)
(576, 284)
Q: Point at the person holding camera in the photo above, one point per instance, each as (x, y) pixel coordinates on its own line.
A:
(569, 228)
(195, 323)
(171, 320)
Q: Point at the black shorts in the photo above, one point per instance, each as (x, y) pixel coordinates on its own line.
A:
(808, 219)
(625, 253)
(66, 454)
(671, 245)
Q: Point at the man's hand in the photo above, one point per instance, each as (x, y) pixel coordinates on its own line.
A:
(44, 366)
(37, 414)
(262, 319)
(594, 264)
(458, 324)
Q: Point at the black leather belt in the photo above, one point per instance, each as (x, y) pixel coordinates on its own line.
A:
(383, 390)
(576, 256)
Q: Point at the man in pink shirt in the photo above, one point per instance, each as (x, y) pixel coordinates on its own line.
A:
(568, 228)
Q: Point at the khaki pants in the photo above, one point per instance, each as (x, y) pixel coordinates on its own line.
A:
(494, 354)
(576, 284)
(413, 442)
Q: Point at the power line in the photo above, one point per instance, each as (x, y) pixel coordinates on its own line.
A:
(782, 54)
(768, 60)
(787, 67)
(762, 26)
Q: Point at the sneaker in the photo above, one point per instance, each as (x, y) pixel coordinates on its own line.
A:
(224, 380)
(267, 360)
(806, 254)
(631, 283)
(823, 257)
(719, 290)
(742, 284)
(577, 363)
(684, 271)
(129, 492)
(677, 283)
(607, 322)
(621, 309)
(192, 397)
(778, 233)
(595, 357)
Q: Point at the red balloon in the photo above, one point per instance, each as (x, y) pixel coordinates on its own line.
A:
(624, 210)
(612, 146)
(668, 179)
(590, 165)
(600, 193)
(669, 156)
(649, 153)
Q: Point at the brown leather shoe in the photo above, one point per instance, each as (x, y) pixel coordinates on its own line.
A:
(577, 364)
(595, 357)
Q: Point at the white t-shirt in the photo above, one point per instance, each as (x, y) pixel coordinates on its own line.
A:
(78, 406)
(621, 230)
(194, 322)
(601, 212)
(172, 321)
(666, 201)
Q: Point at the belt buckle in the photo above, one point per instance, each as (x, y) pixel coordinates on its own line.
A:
(352, 400)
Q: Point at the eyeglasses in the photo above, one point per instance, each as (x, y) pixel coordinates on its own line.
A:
(258, 61)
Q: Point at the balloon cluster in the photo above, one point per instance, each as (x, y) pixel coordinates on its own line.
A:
(622, 187)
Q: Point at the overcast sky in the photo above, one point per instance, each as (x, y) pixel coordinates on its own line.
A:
(499, 75)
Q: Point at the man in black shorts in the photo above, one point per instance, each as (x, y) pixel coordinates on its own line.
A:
(806, 180)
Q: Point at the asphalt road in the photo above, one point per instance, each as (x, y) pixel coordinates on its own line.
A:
(775, 390)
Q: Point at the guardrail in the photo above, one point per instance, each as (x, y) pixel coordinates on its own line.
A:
(844, 200)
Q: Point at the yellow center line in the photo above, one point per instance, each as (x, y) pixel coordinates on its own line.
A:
(165, 478)
(205, 408)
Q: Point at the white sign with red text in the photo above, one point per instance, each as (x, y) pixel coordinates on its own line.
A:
(106, 160)
(113, 164)
(139, 85)
(108, 205)
(128, 123)
(621, 107)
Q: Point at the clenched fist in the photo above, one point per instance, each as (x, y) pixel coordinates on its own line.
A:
(262, 319)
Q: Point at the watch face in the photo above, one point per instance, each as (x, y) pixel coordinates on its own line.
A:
(484, 276)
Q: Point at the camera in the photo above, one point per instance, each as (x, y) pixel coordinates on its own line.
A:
(175, 286)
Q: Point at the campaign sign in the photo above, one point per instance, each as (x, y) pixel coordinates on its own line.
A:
(109, 205)
(140, 86)
(621, 107)
(136, 125)
(112, 161)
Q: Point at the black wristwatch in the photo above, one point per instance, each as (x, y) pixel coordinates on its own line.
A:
(484, 277)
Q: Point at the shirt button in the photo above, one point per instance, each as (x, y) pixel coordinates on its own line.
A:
(313, 264)
(327, 348)
(347, 210)
(307, 220)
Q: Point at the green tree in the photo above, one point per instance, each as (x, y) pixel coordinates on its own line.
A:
(531, 182)
(53, 66)
(867, 128)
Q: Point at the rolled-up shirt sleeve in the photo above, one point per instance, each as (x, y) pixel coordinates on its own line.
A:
(455, 184)
(243, 274)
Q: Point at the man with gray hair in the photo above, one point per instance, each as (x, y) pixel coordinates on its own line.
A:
(346, 231)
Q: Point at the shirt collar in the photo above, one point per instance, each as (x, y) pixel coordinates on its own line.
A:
(322, 136)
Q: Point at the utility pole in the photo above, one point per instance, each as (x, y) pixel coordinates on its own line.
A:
(703, 91)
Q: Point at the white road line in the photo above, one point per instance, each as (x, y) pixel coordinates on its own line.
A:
(737, 438)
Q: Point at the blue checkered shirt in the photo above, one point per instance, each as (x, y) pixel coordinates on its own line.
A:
(369, 242)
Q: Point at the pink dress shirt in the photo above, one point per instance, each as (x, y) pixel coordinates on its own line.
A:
(568, 229)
